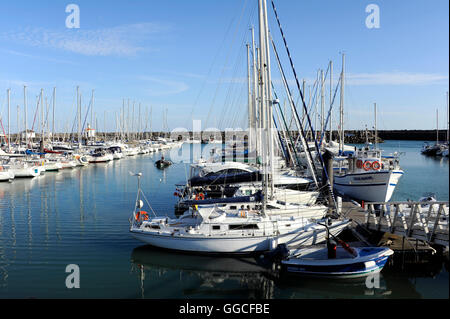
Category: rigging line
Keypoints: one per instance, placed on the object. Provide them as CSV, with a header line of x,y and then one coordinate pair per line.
x,y
87,113
232,87
303,101
226,62
282,145
210,69
237,67
301,128
288,132
329,113
35,113
238,98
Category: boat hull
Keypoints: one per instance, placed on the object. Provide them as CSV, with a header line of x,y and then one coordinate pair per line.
x,y
239,244
361,266
371,187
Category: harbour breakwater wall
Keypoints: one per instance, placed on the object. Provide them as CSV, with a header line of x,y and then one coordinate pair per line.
x,y
351,136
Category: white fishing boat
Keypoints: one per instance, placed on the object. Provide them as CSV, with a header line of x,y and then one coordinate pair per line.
x,y
368,176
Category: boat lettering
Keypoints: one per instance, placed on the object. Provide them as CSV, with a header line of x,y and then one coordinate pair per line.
x,y
362,178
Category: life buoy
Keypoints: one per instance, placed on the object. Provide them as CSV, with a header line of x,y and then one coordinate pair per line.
x,y
200,196
242,214
359,164
376,165
144,215
141,215
1,168
367,165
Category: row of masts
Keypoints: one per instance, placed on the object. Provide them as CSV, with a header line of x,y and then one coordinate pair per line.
x,y
127,127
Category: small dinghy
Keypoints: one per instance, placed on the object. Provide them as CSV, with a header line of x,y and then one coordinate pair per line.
x,y
163,163
336,262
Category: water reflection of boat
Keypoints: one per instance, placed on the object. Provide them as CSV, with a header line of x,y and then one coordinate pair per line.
x,y
212,276
306,287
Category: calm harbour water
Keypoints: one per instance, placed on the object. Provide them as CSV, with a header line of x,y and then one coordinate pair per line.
x,y
80,216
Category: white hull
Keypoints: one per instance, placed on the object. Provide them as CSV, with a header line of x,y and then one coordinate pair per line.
x,y
6,176
26,172
243,244
101,159
371,186
117,155
52,167
68,164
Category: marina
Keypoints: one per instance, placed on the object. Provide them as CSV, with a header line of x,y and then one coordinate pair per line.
x,y
295,193
82,215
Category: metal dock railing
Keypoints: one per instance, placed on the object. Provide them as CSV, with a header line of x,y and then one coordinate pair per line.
x,y
426,221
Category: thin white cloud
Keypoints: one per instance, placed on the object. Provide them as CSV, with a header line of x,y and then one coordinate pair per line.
x,y
158,87
395,78
362,79
125,40
22,54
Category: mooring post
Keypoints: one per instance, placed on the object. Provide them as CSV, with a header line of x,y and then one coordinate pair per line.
x,y
327,175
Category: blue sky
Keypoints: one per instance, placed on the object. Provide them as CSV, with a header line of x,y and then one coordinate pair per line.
x,y
189,57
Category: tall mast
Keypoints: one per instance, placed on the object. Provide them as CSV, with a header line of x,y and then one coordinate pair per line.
x,y
139,123
341,141
437,126
25,111
270,101
53,120
322,104
79,116
250,111
303,90
376,132
331,100
255,95
9,120
42,116
96,124
262,79
448,135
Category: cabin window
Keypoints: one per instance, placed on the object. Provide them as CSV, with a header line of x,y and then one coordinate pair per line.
x,y
243,226
233,207
155,227
216,227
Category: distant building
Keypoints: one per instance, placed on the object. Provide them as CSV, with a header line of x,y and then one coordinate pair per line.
x,y
90,132
28,134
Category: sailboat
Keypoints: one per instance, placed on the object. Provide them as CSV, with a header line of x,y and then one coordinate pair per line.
x,y
213,229
6,175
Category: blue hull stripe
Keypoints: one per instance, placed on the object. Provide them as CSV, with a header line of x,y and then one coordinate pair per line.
x,y
380,184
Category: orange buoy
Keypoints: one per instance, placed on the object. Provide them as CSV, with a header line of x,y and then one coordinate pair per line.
x,y
359,164
376,165
367,165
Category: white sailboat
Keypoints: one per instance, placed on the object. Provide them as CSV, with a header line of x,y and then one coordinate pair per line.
x,y
213,229
6,175
23,169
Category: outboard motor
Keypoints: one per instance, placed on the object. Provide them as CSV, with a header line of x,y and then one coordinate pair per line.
x,y
279,253
331,247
